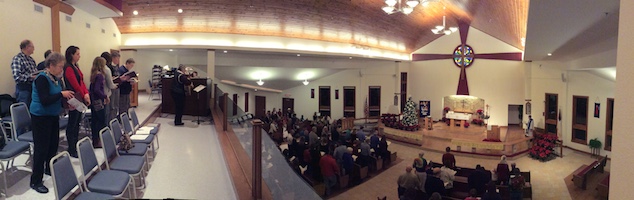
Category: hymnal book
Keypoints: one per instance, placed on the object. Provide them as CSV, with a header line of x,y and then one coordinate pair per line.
x,y
142,132
138,137
78,105
129,73
199,88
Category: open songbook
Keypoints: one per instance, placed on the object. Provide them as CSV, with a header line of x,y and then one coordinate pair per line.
x,y
129,74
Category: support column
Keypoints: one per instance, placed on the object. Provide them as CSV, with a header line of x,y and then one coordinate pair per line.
x,y
225,111
256,190
621,162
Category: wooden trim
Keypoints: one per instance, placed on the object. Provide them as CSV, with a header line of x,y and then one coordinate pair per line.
x,y
324,107
583,127
127,50
609,118
109,6
354,101
56,28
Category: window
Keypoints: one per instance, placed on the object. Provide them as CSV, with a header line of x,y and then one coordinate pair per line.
x,y
374,102
324,100
609,120
551,113
349,101
403,90
580,119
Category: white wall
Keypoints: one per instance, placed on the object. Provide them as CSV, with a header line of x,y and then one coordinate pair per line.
x,y
371,76
545,78
19,21
273,100
622,162
597,90
499,83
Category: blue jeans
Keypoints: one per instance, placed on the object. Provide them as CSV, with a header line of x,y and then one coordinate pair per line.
x,y
23,94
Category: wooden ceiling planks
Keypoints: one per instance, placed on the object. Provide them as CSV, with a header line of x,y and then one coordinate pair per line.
x,y
358,22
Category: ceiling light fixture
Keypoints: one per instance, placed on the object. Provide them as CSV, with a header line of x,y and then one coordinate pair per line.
x,y
260,82
394,6
443,29
225,51
135,12
305,82
180,10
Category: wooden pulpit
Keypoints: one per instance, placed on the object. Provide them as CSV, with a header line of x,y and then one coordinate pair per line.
x,y
494,133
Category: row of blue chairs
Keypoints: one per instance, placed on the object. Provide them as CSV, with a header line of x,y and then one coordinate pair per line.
x,y
21,141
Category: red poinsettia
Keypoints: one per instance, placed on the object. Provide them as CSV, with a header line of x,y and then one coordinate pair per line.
x,y
479,111
543,147
446,109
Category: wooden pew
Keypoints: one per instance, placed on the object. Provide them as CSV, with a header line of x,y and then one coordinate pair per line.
x,y
603,187
580,176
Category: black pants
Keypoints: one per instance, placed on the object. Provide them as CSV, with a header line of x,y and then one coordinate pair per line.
x,y
72,130
45,143
179,106
97,122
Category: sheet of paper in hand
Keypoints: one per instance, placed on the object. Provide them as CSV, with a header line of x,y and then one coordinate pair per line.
x,y
78,105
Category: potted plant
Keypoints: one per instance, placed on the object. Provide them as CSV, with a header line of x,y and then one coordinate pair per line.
x,y
594,143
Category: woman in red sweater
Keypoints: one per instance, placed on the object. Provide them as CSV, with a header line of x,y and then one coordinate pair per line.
x,y
74,80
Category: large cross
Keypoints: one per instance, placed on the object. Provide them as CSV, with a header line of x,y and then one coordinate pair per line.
x,y
463,56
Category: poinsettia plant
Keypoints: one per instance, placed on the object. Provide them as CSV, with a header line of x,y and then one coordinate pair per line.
x,y
446,109
543,148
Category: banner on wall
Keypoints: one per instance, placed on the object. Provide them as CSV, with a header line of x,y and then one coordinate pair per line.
x,y
424,108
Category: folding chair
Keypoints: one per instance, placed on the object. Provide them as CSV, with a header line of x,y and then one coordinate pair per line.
x,y
112,182
65,180
140,138
9,152
150,128
21,118
130,164
140,149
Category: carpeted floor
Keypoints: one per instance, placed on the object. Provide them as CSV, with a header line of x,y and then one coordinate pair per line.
x,y
591,190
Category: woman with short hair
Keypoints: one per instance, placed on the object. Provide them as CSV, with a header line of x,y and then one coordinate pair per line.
x,y
46,105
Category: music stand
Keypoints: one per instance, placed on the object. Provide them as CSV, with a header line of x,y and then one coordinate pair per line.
x,y
198,89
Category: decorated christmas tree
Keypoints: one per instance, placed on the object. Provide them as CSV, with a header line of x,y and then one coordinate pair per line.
x,y
410,118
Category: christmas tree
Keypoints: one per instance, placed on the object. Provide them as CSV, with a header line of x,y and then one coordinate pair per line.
x,y
410,118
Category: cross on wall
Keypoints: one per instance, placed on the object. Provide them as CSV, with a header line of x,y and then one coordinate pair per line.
x,y
464,56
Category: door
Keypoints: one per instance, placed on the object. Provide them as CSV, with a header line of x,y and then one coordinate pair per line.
x,y
235,104
260,106
288,104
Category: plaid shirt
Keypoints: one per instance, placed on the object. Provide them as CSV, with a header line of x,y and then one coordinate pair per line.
x,y
23,67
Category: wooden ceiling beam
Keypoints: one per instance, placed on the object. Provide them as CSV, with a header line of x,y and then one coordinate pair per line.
x,y
65,8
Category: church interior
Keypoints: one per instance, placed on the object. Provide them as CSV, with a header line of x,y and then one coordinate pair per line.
x,y
532,81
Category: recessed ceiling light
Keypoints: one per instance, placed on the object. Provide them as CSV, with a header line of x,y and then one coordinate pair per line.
x,y
171,49
550,54
299,55
135,12
180,10
350,58
225,51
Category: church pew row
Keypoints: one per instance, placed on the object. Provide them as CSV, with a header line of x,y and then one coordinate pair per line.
x,y
603,187
461,188
580,176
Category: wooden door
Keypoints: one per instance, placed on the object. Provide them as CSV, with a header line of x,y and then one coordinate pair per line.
x,y
235,104
260,106
288,103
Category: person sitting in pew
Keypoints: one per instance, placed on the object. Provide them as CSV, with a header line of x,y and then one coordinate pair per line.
x,y
473,195
434,184
448,159
347,162
406,181
364,154
516,185
502,171
491,193
478,179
